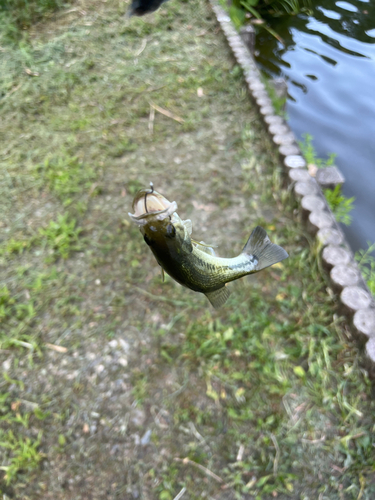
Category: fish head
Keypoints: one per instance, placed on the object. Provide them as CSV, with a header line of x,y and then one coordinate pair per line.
x,y
158,221
151,207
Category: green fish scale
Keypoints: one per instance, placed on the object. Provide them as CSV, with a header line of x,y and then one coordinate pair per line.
x,y
203,272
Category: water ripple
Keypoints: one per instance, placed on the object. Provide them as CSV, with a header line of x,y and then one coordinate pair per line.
x,y
328,61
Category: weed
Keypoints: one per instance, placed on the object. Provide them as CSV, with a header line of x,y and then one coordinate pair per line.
x,y
309,153
13,246
62,236
366,262
24,454
15,317
340,205
66,176
10,308
19,453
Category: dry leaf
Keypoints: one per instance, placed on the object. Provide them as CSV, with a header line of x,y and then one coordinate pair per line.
x,y
31,73
57,348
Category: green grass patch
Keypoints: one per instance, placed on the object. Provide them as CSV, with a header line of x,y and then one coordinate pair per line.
x,y
24,455
66,176
14,246
19,453
18,15
62,236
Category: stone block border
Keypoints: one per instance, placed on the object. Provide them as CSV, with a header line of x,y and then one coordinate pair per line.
x,y
356,300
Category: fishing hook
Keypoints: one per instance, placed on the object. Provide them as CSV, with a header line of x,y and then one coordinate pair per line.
x,y
146,193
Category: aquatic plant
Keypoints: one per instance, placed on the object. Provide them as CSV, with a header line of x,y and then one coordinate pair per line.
x,y
273,8
260,10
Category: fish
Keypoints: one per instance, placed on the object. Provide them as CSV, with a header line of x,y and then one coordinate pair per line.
x,y
142,7
194,264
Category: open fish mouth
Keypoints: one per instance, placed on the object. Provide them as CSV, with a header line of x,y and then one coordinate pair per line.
x,y
149,204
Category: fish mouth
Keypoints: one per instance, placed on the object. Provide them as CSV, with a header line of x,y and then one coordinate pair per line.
x,y
151,205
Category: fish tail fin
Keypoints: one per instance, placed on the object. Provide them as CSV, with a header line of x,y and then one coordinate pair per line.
x,y
260,246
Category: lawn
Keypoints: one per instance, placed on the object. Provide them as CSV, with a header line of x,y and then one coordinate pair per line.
x,y
115,384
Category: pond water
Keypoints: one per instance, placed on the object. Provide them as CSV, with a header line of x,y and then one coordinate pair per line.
x,y
328,61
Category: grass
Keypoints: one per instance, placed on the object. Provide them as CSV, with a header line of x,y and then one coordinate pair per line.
x,y
19,452
66,176
17,15
302,367
62,236
116,384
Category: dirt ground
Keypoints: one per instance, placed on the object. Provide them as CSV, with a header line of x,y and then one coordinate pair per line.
x,y
117,385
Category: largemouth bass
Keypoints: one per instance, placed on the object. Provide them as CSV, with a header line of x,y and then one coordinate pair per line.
x,y
192,264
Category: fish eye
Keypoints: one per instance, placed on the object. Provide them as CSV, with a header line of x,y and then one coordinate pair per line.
x,y
147,240
171,231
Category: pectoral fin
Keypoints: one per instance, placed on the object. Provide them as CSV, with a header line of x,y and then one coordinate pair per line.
x,y
189,226
201,245
218,297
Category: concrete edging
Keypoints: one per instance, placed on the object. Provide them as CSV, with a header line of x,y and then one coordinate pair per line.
x,y
356,300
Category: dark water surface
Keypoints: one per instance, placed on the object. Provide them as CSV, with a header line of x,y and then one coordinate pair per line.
x,y
329,63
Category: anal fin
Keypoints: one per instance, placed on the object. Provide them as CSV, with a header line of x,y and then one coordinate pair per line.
x,y
218,297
